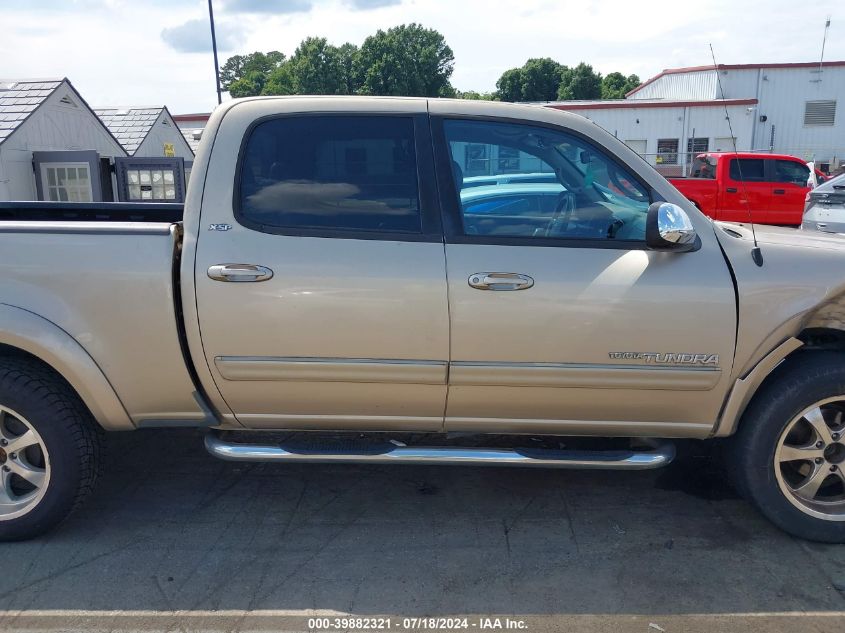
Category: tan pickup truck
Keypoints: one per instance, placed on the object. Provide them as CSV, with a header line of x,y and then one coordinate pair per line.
x,y
420,281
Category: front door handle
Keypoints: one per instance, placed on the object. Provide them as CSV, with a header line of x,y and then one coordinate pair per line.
x,y
731,189
779,192
239,272
500,281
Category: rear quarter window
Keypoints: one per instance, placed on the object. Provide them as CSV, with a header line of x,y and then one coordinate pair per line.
x,y
330,173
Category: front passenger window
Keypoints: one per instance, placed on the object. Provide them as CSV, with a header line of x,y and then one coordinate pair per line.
x,y
521,181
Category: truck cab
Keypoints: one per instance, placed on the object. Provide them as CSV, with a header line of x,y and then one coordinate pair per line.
x,y
744,186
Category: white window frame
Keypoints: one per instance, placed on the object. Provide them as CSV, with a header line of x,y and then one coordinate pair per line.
x,y
47,188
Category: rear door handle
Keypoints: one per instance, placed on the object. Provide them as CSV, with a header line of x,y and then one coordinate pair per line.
x,y
779,192
239,272
500,281
731,189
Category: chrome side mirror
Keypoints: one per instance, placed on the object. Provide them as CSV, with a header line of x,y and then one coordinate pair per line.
x,y
668,228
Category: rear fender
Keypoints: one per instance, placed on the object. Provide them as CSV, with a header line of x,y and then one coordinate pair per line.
x,y
46,341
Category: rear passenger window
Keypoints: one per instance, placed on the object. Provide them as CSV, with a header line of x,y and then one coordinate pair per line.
x,y
791,172
347,173
753,169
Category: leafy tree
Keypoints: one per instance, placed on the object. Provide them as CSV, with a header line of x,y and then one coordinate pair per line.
x,y
248,86
541,79
617,85
280,82
580,82
316,68
238,67
406,60
348,55
509,86
473,95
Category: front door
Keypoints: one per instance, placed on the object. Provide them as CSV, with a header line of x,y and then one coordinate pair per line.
x,y
562,321
746,193
323,304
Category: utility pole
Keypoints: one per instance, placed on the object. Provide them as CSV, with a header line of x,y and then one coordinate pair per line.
x,y
214,48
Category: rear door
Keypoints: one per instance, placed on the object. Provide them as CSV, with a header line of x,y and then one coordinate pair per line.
x,y
562,320
789,188
745,191
320,277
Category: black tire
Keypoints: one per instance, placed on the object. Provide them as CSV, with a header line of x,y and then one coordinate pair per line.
x,y
72,439
797,384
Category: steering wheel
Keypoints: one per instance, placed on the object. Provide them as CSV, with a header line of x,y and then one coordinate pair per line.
x,y
563,211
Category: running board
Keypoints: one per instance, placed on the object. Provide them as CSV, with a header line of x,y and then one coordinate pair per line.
x,y
389,453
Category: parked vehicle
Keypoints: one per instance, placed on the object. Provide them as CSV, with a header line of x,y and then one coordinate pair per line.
x,y
824,209
739,187
325,277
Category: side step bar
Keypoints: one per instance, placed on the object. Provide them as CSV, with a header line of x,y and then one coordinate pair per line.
x,y
388,453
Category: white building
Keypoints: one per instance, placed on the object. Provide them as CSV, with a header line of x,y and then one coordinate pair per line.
x,y
52,145
784,108
146,132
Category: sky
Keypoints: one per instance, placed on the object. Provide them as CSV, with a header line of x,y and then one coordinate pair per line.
x,y
158,52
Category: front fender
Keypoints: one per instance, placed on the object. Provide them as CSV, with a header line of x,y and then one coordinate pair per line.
x,y
46,341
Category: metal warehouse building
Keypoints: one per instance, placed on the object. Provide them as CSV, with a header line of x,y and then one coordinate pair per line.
x,y
784,108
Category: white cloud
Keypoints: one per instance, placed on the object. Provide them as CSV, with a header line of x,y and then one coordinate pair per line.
x,y
268,6
113,52
194,36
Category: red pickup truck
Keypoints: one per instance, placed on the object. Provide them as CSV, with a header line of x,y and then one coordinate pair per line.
x,y
727,185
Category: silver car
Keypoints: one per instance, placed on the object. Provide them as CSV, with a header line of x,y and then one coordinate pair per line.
x,y
824,209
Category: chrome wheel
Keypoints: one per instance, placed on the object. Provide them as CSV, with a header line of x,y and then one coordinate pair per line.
x,y
810,457
24,465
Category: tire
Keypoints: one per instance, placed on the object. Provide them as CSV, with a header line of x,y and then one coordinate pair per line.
x,y
64,458
774,458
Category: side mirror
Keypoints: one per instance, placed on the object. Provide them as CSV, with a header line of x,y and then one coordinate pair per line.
x,y
668,228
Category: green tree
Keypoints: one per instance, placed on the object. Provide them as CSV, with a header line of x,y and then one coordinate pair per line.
x,y
238,67
250,85
316,68
280,82
580,82
348,55
509,86
474,95
407,60
617,85
541,79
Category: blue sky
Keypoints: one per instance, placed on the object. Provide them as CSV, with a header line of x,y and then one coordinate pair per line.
x,y
150,52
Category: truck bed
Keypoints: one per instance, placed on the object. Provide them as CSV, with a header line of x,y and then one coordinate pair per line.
x,y
111,283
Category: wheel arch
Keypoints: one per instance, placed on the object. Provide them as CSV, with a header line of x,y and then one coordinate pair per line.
x,y
25,333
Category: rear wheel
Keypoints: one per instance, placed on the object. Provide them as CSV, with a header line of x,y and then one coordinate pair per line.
x,y
789,454
49,449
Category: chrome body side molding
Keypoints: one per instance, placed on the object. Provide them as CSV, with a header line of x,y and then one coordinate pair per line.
x,y
387,453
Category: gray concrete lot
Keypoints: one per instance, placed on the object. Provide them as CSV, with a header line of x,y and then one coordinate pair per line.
x,y
175,540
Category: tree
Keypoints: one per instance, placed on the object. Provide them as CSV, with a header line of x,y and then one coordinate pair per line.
x,y
617,85
407,60
280,82
250,85
579,83
316,68
238,67
541,79
348,55
474,95
509,86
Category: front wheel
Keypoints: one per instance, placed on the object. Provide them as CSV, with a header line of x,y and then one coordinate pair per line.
x,y
788,457
49,449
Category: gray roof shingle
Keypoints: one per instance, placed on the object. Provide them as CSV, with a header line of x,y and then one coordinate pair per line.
x,y
19,98
129,125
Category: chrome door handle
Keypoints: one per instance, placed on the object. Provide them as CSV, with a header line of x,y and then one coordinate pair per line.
x,y
239,272
500,281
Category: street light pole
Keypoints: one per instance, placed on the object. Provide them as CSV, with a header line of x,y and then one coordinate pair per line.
x,y
214,48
